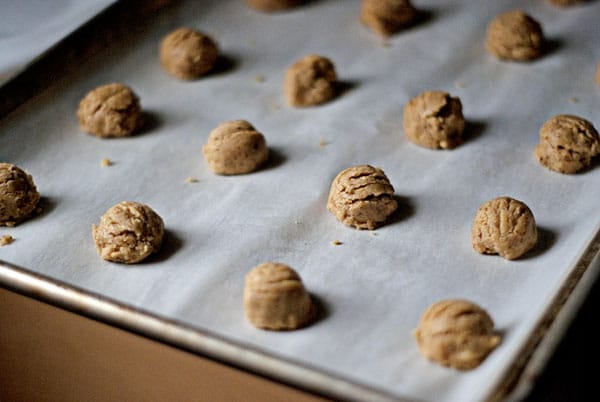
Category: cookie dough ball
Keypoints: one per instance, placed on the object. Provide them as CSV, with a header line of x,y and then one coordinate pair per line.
x,y
310,81
188,54
362,196
515,36
565,3
128,232
18,196
111,110
456,333
434,119
275,298
274,5
386,17
504,226
235,147
568,144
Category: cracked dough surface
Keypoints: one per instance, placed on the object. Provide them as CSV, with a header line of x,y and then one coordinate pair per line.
x,y
18,195
504,226
310,81
434,120
128,232
362,196
514,35
386,17
111,110
188,54
235,147
274,5
275,298
568,144
456,333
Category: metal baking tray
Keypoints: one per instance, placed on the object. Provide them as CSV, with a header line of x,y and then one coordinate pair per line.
x,y
373,287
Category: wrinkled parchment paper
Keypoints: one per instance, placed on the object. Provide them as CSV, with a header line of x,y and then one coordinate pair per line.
x,y
374,287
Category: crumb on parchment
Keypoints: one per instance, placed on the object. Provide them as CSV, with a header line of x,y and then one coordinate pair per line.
x,y
336,243
106,162
6,240
191,180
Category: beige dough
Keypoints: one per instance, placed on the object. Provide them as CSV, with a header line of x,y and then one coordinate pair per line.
x,y
128,232
362,196
565,3
568,144
188,54
274,5
235,147
275,298
18,195
504,226
456,333
434,119
111,110
310,81
386,17
515,36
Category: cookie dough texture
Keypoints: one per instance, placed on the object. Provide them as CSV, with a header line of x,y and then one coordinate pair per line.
x,y
434,119
188,54
235,147
504,226
456,333
362,196
18,195
568,144
128,233
386,17
310,81
275,298
515,36
111,110
274,5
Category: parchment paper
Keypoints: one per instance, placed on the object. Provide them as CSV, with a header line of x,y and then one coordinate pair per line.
x,y
374,287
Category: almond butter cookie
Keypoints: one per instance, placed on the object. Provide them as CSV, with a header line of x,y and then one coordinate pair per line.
x,y
386,17
516,36
18,195
310,81
188,54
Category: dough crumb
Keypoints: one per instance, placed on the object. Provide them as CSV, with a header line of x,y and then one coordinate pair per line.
x,y
235,147
106,162
362,196
373,233
515,36
598,74
19,197
573,99
504,226
273,5
188,54
386,17
566,3
297,222
310,81
275,298
458,84
336,242
456,333
260,78
191,180
6,240
323,143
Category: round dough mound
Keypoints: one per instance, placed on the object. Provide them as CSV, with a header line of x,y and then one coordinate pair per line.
x,y
515,36
128,232
273,5
456,333
386,17
434,119
111,110
504,226
18,195
310,81
362,196
568,144
235,147
188,54
275,298
565,3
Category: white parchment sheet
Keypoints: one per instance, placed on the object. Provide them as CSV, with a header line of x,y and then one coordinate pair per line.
x,y
374,287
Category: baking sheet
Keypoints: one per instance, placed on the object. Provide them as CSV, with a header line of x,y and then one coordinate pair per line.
x,y
374,286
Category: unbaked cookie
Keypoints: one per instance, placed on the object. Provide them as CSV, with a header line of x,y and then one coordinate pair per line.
x,y
515,36
18,195
111,110
273,5
310,81
188,54
128,233
568,144
456,333
386,17
504,226
434,119
235,147
275,298
362,196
